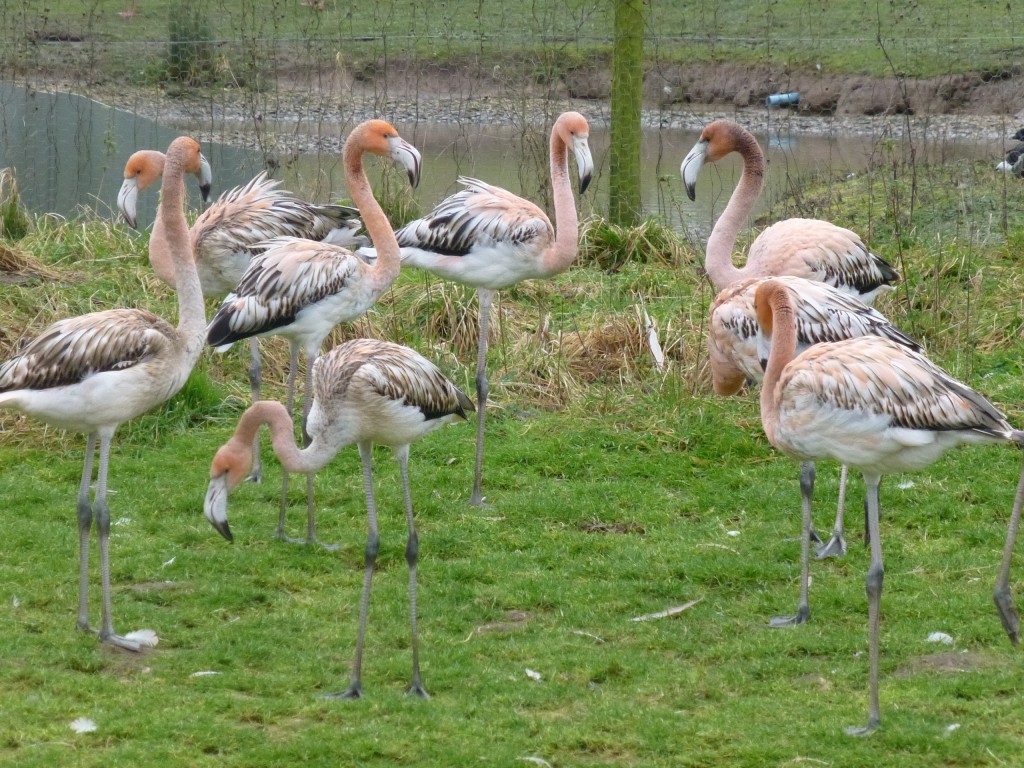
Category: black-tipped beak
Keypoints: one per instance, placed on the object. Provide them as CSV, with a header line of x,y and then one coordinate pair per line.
x,y
690,168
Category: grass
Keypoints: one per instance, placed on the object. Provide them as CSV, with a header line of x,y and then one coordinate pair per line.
x,y
540,41
614,491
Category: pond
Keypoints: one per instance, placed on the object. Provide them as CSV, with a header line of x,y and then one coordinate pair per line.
x,y
68,152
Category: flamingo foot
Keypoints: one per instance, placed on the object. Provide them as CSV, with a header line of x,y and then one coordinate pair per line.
x,y
1008,614
416,689
354,691
305,542
865,730
836,547
802,615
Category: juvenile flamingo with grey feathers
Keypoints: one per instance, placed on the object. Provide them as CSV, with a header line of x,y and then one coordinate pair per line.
x,y
93,372
366,392
300,289
877,407
488,238
226,235
822,313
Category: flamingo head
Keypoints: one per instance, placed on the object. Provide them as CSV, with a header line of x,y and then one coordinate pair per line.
x,y
146,166
574,131
142,169
717,140
381,138
230,466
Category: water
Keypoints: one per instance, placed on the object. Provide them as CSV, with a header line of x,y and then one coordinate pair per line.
x,y
68,153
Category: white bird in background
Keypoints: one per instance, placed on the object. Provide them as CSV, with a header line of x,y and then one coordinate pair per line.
x,y
811,248
1013,162
823,313
366,392
229,232
877,407
487,238
91,373
300,289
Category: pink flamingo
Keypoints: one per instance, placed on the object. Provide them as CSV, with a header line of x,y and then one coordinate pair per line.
x,y
366,392
877,407
93,372
810,248
485,237
300,289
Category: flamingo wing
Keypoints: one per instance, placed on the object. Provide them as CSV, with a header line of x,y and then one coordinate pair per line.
x,y
479,215
71,350
291,274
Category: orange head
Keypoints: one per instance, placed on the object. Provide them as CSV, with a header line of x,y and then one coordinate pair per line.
x,y
574,132
381,138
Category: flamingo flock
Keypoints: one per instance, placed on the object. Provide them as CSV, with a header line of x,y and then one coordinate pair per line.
x,y
838,381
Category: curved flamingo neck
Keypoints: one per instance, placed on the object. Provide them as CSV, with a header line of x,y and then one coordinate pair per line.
x,y
159,255
175,240
567,225
376,222
282,433
718,256
781,325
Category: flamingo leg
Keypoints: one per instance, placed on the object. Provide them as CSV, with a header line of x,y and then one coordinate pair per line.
x,y
102,511
412,549
355,688
84,526
873,583
307,405
255,377
803,611
484,297
1004,600
836,546
292,367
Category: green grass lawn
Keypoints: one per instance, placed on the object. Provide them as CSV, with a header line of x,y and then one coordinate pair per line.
x,y
845,37
614,492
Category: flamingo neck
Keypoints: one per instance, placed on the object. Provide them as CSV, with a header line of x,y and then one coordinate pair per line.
x,y
159,255
718,256
170,219
375,221
783,350
567,226
282,433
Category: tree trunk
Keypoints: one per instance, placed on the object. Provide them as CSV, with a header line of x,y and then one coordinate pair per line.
x,y
624,204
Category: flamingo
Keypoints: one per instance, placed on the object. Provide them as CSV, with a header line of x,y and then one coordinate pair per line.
x,y
1014,160
877,407
823,313
226,235
810,248
300,288
366,392
487,238
93,372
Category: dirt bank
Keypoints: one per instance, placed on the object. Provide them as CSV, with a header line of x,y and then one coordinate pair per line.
x,y
985,106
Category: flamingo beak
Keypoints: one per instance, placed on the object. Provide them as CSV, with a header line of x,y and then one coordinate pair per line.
x,y
406,154
584,161
205,178
126,200
215,507
691,165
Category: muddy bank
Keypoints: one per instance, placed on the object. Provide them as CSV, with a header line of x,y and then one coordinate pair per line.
x,y
984,106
